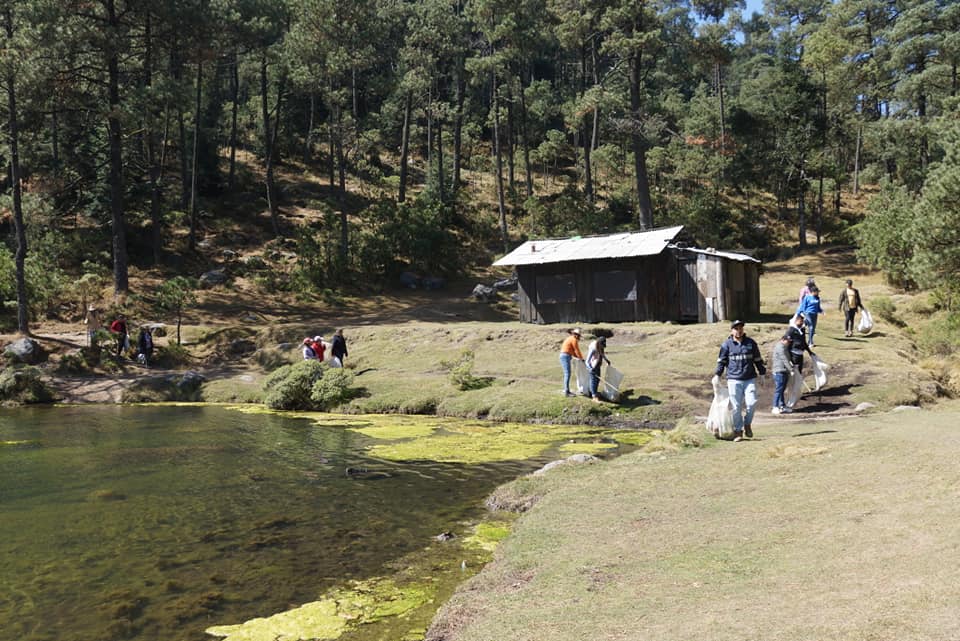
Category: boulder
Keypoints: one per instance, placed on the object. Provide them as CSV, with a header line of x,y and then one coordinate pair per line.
x,y
506,285
576,459
484,293
241,347
255,262
24,350
190,382
214,277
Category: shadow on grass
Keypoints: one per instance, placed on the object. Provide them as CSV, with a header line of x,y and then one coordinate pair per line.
x,y
627,400
814,433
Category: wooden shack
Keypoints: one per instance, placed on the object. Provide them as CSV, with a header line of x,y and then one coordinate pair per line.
x,y
635,276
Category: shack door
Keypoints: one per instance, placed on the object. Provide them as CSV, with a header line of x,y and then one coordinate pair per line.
x,y
689,294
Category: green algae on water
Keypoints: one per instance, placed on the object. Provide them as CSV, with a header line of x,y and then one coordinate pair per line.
x,y
487,535
577,447
341,610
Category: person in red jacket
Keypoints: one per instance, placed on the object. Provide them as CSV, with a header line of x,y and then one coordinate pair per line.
x,y
318,347
119,329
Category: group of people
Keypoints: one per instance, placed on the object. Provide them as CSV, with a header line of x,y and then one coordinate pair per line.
x,y
118,328
315,349
740,355
596,356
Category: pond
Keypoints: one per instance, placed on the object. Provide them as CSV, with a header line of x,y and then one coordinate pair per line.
x,y
155,523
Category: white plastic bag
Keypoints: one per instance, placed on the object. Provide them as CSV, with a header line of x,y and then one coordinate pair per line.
x,y
720,418
794,387
819,372
866,322
583,376
610,384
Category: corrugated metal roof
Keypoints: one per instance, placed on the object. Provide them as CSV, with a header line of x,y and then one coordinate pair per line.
x,y
626,245
715,252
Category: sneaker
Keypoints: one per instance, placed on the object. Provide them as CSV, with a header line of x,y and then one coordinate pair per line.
x,y
786,410
737,437
775,410
568,393
747,431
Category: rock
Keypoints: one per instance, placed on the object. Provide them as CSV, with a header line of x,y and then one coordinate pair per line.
x,y
484,293
229,254
905,408
241,347
410,280
24,350
214,277
190,381
445,536
434,282
505,284
255,262
862,407
576,459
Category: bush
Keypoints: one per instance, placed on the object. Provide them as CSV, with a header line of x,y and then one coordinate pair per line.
x,y
291,386
332,389
461,372
883,307
940,336
23,385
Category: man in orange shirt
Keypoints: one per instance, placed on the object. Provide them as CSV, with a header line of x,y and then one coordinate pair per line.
x,y
568,351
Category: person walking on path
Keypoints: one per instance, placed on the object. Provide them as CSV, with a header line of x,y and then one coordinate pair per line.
x,y
798,342
569,351
145,346
740,356
811,309
849,304
596,354
781,366
805,290
338,348
119,329
93,323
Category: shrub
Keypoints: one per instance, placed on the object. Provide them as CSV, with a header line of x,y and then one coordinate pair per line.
x,y
332,389
291,386
171,356
23,385
461,371
883,307
940,336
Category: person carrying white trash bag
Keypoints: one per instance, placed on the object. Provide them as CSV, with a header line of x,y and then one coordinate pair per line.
x,y
740,357
720,418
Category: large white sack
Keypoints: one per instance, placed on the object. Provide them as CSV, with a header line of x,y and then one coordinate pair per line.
x,y
610,384
794,387
866,322
819,372
720,418
583,376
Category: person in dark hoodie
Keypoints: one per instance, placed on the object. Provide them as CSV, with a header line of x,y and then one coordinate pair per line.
x,y
798,341
740,357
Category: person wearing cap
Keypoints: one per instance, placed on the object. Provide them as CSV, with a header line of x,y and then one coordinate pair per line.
x,y
308,353
798,341
596,354
569,351
318,347
811,310
93,323
781,366
849,304
740,357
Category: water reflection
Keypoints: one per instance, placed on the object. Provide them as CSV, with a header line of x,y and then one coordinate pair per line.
x,y
153,523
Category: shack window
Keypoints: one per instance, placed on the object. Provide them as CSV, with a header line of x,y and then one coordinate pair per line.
x,y
615,285
556,289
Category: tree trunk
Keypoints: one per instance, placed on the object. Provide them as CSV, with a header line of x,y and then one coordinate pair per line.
x,y
645,205
458,127
509,135
405,146
195,161
802,208
856,161
55,139
268,147
525,143
499,167
440,189
235,106
585,139
120,280
13,124
341,162
308,139
154,166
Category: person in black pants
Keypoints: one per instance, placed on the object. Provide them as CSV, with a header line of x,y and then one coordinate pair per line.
x,y
849,304
338,348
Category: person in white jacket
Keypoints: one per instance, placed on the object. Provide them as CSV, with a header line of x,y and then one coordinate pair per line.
x,y
596,354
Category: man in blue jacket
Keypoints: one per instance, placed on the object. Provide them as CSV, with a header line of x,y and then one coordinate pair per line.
x,y
740,356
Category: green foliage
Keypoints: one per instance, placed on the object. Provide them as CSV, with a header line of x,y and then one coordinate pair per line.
x,y
175,294
291,386
171,356
883,307
941,336
883,235
23,384
461,372
568,213
332,389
